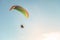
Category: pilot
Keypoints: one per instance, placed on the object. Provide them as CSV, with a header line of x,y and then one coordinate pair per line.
x,y
22,26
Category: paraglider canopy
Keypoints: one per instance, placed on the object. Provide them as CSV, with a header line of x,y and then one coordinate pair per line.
x,y
20,9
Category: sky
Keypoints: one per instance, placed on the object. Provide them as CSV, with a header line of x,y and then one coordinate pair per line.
x,y
43,21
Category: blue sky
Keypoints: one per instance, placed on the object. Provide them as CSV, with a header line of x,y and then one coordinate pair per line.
x,y
44,17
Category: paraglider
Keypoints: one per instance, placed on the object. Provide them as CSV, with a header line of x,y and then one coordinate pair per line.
x,y
22,10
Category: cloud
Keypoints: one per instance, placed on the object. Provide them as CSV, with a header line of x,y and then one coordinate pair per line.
x,y
51,36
